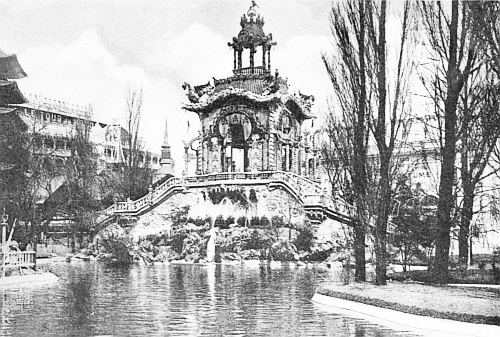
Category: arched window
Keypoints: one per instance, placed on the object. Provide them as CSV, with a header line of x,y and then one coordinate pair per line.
x,y
285,124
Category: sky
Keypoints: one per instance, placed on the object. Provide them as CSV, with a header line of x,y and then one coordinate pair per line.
x,y
91,51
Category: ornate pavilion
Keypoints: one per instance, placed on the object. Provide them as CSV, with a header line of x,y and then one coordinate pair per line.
x,y
250,121
252,142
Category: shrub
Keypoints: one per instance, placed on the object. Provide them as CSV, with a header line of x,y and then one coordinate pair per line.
x,y
119,247
278,221
254,222
496,254
253,196
198,222
179,216
220,222
264,222
304,239
177,241
241,221
255,241
230,220
496,273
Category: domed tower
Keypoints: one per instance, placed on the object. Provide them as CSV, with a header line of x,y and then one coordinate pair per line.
x,y
252,38
250,121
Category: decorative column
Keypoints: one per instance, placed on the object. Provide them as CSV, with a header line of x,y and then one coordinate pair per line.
x,y
269,58
239,58
198,160
299,159
278,152
264,56
259,161
271,143
235,57
306,160
215,156
254,152
300,146
5,217
265,153
186,161
228,154
205,165
252,52
294,160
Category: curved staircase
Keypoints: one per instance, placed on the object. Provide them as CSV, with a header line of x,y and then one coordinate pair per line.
x,y
317,204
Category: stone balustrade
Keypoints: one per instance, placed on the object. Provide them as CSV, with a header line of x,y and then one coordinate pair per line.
x,y
308,191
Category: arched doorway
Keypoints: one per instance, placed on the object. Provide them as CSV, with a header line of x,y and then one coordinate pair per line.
x,y
239,150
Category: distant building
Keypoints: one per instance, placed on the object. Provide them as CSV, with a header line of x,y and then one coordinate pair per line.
x,y
52,125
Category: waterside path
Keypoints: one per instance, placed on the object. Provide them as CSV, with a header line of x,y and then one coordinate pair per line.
x,y
430,310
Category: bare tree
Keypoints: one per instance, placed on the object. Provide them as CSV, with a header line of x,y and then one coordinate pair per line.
x,y
384,104
478,135
349,131
456,54
389,120
137,173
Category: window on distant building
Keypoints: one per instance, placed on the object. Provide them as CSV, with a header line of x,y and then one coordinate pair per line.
x,y
37,142
60,145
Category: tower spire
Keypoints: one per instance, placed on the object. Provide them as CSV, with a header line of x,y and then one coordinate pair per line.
x,y
165,137
166,161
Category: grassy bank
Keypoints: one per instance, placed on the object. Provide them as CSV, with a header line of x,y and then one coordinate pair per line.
x,y
471,276
480,306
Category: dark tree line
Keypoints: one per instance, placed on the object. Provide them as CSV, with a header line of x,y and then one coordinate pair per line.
x,y
368,121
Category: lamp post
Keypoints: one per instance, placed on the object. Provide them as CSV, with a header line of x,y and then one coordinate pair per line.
x,y
5,217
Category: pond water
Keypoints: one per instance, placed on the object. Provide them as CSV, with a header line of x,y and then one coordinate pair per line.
x,y
94,299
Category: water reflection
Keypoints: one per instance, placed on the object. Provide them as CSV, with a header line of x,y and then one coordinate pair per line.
x,y
93,299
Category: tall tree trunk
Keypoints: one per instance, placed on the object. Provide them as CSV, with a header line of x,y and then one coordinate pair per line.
x,y
464,233
381,225
385,157
359,247
446,200
360,177
465,173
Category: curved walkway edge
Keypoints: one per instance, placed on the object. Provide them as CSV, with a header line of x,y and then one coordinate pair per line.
x,y
400,321
28,279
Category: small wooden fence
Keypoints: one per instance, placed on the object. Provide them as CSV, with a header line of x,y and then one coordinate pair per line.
x,y
17,259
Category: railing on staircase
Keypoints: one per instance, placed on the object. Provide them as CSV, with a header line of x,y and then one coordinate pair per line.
x,y
308,191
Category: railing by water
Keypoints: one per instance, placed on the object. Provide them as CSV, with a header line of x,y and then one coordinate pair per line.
x,y
306,190
17,259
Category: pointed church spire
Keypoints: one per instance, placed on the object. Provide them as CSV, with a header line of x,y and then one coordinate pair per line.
x,y
165,137
166,161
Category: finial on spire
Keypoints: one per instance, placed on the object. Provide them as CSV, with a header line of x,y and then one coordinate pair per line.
x,y
251,11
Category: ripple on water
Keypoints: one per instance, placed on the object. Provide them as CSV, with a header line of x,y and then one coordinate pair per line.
x,y
92,299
